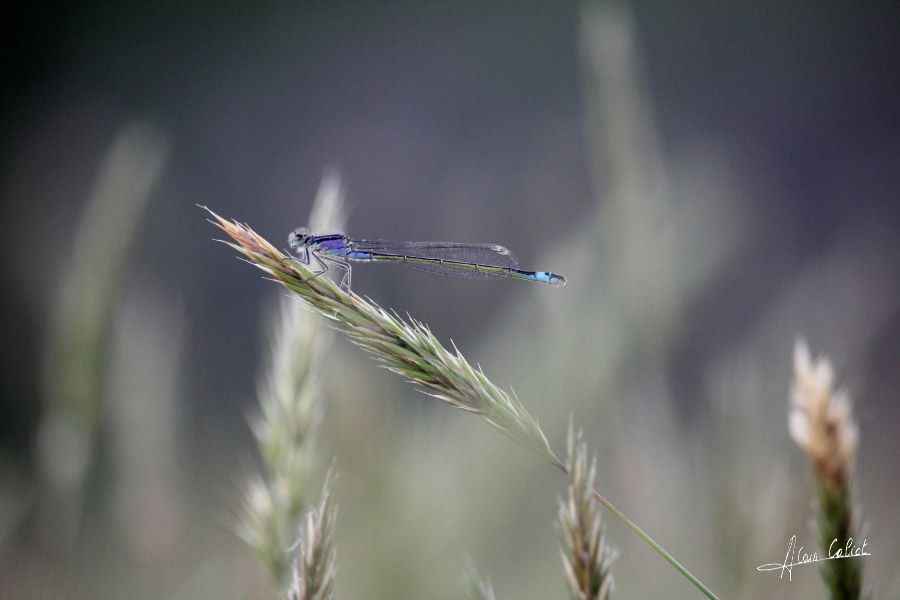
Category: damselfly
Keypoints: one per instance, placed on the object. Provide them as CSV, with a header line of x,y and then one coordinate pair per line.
x,y
465,261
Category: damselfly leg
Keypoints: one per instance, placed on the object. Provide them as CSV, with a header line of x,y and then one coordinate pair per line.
x,y
345,278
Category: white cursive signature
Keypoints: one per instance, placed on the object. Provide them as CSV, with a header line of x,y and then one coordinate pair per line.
x,y
796,556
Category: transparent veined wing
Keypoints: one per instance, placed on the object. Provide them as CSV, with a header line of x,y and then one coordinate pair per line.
x,y
466,255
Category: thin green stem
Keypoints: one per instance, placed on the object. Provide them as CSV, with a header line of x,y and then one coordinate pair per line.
x,y
644,536
653,544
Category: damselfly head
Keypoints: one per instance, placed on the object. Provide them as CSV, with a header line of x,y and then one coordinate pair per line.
x,y
298,238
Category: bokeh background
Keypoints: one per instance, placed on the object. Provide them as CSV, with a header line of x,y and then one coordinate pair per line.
x,y
715,179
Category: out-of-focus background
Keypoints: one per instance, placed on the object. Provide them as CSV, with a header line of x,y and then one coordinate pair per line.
x,y
714,179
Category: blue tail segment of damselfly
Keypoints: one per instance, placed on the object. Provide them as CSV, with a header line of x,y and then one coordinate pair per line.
x,y
464,261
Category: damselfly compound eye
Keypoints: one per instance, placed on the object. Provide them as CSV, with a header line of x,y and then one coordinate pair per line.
x,y
298,237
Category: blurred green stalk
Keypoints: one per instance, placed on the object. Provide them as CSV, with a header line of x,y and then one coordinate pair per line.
x,y
74,387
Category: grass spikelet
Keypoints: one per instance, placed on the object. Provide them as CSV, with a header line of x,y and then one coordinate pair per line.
x,y
290,405
263,526
820,422
314,565
477,588
285,428
408,349
586,557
